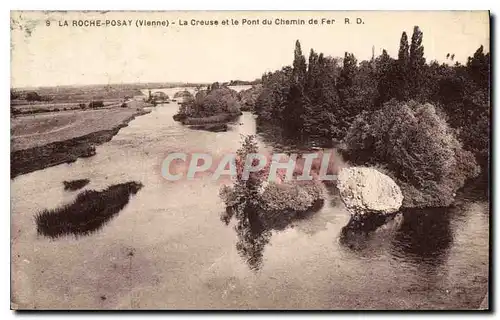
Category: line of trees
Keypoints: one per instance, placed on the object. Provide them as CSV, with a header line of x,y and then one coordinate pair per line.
x,y
322,96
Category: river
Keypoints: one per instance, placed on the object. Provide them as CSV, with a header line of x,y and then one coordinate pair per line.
x,y
168,249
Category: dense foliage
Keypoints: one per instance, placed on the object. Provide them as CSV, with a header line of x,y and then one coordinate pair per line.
x,y
216,100
418,149
320,98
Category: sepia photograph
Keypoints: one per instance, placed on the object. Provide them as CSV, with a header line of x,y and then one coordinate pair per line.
x,y
250,160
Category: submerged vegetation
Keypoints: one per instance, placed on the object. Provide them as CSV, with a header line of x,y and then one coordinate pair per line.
x,y
74,185
87,213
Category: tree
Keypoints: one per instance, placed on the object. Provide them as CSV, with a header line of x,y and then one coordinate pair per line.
x,y
299,65
416,63
478,67
293,116
345,80
403,54
417,148
402,68
96,104
33,96
13,94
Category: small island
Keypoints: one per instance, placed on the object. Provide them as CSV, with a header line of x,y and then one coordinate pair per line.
x,y
211,109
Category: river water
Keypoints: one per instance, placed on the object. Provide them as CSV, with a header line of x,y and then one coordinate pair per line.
x,y
168,249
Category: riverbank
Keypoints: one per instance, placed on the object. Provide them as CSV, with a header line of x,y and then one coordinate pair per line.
x,y
215,123
43,141
163,247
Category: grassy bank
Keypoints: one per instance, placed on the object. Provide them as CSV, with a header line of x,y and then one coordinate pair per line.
x,y
87,213
68,150
219,118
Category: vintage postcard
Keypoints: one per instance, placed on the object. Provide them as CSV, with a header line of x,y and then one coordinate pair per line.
x,y
253,160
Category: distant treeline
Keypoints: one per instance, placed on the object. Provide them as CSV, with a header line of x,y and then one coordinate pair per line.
x,y
242,82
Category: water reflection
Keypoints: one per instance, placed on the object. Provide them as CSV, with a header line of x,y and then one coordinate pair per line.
x,y
254,228
252,238
285,141
424,236
421,236
357,235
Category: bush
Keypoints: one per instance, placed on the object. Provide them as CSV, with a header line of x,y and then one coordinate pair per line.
x,y
87,213
74,185
418,149
96,104
33,96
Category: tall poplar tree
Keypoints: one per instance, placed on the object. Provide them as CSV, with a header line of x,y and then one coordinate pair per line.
x,y
299,65
416,63
402,68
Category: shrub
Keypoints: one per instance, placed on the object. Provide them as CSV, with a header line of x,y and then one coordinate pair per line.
x,y
96,104
33,96
418,149
87,213
74,185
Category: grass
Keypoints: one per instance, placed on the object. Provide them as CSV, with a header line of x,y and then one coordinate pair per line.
x,y
219,118
37,130
213,127
87,213
63,141
74,185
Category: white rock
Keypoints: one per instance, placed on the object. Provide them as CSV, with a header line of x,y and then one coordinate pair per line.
x,y
364,190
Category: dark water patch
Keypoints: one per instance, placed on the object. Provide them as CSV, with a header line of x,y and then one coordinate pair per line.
x,y
87,213
288,141
74,185
477,189
356,234
425,235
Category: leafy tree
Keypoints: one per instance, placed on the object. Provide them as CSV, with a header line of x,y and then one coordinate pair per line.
x,y
417,148
299,65
416,62
33,96
96,104
478,67
386,82
13,94
402,68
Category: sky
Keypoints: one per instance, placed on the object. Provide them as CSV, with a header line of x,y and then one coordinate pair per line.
x,y
43,53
